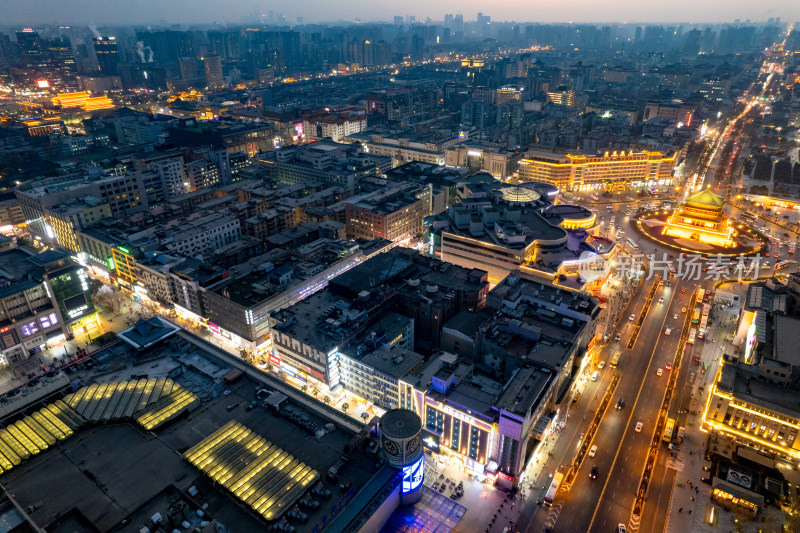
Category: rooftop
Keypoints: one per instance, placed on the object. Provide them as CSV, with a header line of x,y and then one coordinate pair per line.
x,y
739,379
114,473
525,390
396,362
400,423
705,198
146,333
787,339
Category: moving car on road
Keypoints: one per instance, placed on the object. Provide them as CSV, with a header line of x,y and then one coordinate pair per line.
x,y
638,428
593,451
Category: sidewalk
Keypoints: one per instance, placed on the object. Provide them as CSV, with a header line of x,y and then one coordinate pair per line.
x,y
691,508
691,499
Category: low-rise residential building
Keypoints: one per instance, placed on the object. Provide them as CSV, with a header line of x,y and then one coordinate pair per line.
x,y
336,128
68,218
200,233
395,215
324,161
125,193
498,162
407,147
309,335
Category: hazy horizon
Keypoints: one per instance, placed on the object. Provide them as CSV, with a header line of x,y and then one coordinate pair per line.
x,y
139,12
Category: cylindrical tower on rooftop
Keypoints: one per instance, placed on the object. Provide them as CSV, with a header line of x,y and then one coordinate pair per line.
x,y
401,440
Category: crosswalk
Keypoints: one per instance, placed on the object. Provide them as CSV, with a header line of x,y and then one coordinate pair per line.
x,y
552,516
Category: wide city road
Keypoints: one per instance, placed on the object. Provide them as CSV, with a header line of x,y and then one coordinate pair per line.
x,y
607,500
623,454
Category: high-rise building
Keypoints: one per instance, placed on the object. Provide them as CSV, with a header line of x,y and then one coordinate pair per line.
x,y
107,52
213,65
60,61
30,47
187,68
6,52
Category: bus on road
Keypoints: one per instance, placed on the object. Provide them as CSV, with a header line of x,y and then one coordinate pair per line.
x,y
615,360
669,427
633,244
551,492
692,336
784,264
696,316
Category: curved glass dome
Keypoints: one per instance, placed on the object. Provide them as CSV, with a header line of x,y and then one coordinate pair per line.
x,y
519,195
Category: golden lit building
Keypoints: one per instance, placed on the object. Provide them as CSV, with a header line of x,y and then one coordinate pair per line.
x,y
44,126
700,218
509,93
68,100
97,103
82,100
616,171
566,97
755,414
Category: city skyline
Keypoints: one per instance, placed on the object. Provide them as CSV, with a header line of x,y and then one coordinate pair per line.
x,y
513,267
317,11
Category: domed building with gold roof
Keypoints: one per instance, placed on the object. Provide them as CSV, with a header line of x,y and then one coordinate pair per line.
x,y
700,218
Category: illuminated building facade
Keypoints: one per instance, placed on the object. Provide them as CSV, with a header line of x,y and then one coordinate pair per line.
x,y
213,68
67,218
107,52
751,401
394,216
497,161
44,126
82,100
700,218
565,97
752,412
497,229
509,93
405,147
401,441
616,171
31,314
70,285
